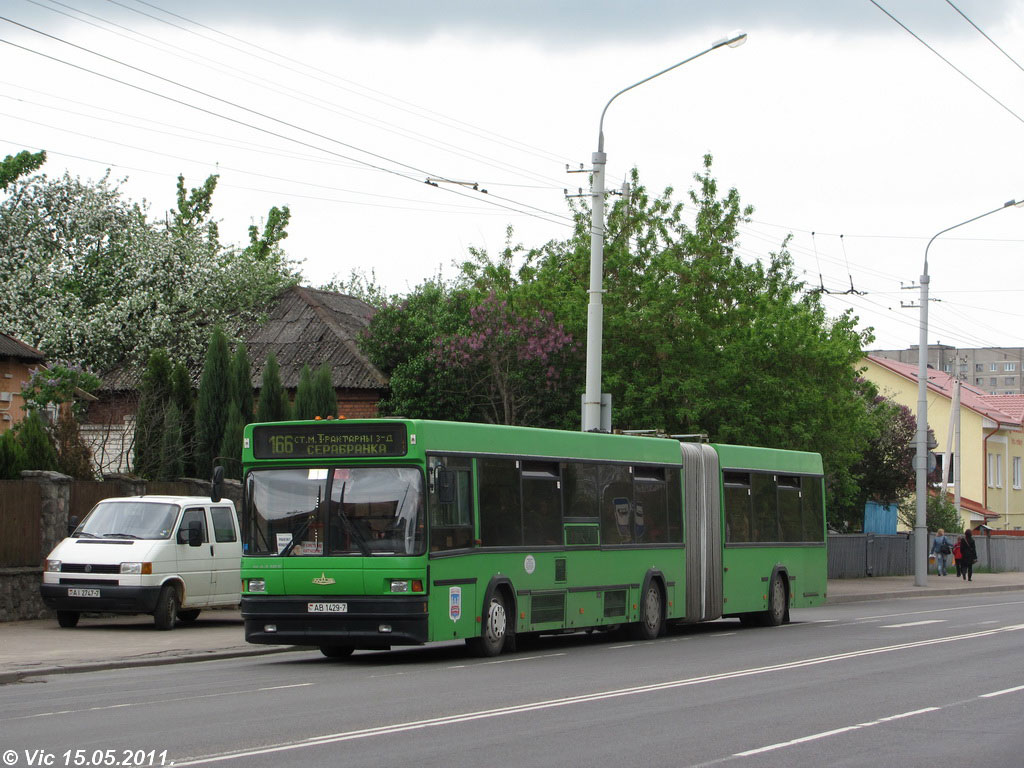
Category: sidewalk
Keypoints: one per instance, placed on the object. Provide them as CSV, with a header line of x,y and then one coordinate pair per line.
x,y
31,648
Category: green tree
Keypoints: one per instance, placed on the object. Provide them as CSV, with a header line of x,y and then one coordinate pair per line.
x,y
12,456
154,397
305,405
940,512
241,383
183,397
273,403
214,402
13,167
74,458
172,445
35,441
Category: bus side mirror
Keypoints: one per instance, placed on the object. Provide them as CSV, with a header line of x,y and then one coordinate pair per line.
x,y
215,483
445,486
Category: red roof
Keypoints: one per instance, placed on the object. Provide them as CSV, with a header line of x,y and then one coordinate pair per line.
x,y
1005,409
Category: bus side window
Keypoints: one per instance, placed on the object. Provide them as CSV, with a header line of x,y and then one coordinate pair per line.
x,y
451,524
542,504
616,484
789,507
766,507
812,511
737,506
501,514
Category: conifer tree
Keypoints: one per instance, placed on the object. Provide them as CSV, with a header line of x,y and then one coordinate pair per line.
x,y
12,456
154,395
214,401
241,383
273,404
231,446
325,399
172,447
35,440
305,406
184,399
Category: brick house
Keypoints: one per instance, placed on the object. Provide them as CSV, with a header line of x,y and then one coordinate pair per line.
x,y
302,326
17,360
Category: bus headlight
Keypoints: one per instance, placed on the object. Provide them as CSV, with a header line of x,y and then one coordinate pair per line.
x,y
137,568
257,585
406,585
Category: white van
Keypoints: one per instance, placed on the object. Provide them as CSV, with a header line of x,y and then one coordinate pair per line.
x,y
170,556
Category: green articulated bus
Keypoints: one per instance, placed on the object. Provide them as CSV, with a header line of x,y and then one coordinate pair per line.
x,y
382,532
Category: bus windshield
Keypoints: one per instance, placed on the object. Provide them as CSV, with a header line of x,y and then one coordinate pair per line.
x,y
315,511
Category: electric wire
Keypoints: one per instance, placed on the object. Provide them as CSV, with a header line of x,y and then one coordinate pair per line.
x,y
982,33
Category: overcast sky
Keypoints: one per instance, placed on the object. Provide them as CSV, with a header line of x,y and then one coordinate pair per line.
x,y
832,120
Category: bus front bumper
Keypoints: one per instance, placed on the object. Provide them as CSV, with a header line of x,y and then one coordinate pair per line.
x,y
362,622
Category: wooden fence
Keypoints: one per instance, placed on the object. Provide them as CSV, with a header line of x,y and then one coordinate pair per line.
x,y
21,508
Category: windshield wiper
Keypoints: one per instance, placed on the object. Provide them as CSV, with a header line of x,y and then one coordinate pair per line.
x,y
86,534
296,536
120,536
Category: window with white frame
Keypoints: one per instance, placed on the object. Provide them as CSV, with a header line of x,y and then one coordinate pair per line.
x,y
995,471
993,366
979,367
1010,367
1016,472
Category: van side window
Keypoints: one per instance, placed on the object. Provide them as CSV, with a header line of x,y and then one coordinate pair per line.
x,y
223,528
194,513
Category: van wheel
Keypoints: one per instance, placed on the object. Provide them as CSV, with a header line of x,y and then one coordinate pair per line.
x,y
336,651
68,619
166,612
189,616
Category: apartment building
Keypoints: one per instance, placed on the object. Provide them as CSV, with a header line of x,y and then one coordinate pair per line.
x,y
997,370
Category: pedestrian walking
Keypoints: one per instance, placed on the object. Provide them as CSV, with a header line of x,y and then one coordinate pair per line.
x,y
956,555
968,555
942,549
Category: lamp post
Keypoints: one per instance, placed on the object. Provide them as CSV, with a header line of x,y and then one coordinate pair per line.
x,y
591,416
921,460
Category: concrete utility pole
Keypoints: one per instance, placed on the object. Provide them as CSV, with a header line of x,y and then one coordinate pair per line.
x,y
591,416
921,461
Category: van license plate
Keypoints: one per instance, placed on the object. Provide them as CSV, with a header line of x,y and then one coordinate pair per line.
x,y
77,592
327,608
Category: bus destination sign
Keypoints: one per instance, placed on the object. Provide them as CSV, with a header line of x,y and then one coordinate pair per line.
x,y
329,440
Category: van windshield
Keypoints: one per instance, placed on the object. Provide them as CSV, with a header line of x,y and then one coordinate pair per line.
x,y
338,511
128,520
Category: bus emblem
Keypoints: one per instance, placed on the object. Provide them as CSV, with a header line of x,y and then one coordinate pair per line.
x,y
323,579
454,603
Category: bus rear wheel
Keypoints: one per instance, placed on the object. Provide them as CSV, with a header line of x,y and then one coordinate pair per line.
x,y
776,612
336,651
494,633
651,614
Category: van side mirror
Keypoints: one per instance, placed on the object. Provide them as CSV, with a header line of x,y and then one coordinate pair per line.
x,y
72,524
216,482
193,535
445,486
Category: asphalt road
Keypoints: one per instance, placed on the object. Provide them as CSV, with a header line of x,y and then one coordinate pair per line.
x,y
924,682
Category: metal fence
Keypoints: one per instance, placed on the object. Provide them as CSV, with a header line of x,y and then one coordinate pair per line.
x,y
856,555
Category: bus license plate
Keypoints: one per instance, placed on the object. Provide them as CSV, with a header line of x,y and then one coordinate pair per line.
x,y
327,608
78,592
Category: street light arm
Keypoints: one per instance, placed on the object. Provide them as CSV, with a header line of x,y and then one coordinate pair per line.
x,y
1007,204
735,39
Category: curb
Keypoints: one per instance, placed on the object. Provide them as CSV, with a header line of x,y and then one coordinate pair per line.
x,y
158,661
919,592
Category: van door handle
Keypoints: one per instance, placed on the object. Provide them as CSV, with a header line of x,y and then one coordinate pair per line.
x,y
211,550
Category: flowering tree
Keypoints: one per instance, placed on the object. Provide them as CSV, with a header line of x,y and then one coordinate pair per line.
x,y
90,280
511,363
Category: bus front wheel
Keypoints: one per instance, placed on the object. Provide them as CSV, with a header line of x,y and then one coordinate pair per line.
x,y
494,633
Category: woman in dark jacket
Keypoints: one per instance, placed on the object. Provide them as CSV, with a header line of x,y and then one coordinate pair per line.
x,y
968,555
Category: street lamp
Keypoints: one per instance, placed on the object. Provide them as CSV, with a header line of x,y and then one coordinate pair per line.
x,y
591,416
921,461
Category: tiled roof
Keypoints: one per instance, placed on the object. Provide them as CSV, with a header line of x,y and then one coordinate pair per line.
x,y
1012,405
303,326
12,347
972,397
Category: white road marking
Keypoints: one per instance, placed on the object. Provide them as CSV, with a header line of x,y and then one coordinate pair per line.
x,y
1002,692
913,624
834,732
535,706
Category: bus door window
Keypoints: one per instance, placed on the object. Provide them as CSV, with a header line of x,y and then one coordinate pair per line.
x,y
451,524
651,513
542,503
737,506
812,510
789,507
501,521
616,504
